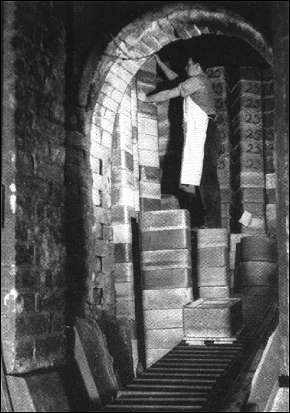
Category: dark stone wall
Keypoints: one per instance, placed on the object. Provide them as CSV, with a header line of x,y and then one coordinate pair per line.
x,y
36,337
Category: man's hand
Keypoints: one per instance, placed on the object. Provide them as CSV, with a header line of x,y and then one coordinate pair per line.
x,y
170,74
158,60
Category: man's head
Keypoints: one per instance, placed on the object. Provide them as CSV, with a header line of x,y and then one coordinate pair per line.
x,y
192,68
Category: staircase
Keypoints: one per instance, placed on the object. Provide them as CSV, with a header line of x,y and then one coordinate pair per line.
x,y
195,375
188,378
195,378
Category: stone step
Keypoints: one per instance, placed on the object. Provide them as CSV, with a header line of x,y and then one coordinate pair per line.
x,y
153,408
162,394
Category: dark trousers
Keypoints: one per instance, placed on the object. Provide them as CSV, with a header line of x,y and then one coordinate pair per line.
x,y
205,206
209,186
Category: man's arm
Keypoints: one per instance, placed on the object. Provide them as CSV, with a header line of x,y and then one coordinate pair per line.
x,y
163,95
190,86
170,74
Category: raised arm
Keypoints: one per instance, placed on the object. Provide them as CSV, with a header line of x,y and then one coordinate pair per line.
x,y
170,74
163,95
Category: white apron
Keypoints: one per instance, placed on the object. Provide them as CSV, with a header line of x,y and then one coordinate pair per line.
x,y
195,127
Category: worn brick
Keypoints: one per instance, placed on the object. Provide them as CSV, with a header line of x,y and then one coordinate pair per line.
x,y
50,348
122,214
58,322
123,196
123,253
52,301
150,204
24,352
122,233
125,308
123,272
32,324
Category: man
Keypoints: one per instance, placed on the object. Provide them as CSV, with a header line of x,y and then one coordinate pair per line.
x,y
200,149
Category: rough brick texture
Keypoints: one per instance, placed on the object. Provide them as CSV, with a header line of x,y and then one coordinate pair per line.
x,y
33,139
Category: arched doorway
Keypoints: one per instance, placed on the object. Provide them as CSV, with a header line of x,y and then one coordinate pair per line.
x,y
115,158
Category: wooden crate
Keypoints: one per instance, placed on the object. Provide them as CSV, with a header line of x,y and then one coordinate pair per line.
x,y
210,237
212,318
165,219
166,239
172,258
163,319
212,276
167,278
166,298
214,292
213,257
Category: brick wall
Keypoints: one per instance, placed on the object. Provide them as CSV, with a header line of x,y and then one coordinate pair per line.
x,y
150,191
33,142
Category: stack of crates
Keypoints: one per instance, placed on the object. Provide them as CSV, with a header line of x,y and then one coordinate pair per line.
x,y
247,140
147,138
270,176
218,77
268,119
212,263
166,277
271,213
169,201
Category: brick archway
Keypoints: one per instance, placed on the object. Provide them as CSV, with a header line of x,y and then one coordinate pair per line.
x,y
110,257
143,37
122,59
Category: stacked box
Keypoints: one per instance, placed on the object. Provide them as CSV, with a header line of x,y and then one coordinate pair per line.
x,y
258,265
247,154
268,119
212,319
124,191
258,275
212,263
219,81
147,127
166,278
271,214
169,202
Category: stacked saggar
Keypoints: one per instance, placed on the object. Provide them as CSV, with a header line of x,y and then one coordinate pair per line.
x,y
248,156
212,263
166,274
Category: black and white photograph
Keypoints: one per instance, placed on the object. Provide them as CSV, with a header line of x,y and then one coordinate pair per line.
x,y
145,206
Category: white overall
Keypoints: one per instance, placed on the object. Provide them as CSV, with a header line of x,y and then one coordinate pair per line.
x,y
195,127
